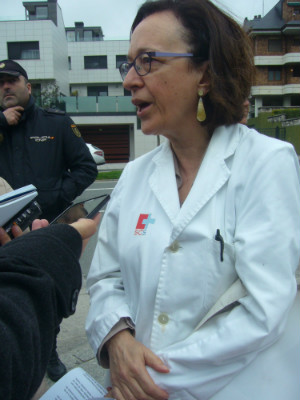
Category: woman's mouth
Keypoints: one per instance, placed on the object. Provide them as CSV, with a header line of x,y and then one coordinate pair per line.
x,y
142,107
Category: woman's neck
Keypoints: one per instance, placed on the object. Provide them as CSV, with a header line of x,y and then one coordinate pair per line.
x,y
189,153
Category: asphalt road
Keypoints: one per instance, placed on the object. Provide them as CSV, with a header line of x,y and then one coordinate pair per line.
x,y
96,189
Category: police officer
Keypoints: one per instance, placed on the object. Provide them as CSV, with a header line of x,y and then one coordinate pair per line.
x,y
43,148
40,147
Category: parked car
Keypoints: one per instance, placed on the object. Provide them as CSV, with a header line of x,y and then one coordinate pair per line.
x,y
97,154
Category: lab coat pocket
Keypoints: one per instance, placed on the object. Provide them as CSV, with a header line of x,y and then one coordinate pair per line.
x,y
219,268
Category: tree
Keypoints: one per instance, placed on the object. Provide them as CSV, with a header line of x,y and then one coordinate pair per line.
x,y
50,95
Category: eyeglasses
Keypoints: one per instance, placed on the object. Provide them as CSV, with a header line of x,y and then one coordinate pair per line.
x,y
142,62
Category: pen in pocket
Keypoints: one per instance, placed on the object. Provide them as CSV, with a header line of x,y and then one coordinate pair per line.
x,y
220,239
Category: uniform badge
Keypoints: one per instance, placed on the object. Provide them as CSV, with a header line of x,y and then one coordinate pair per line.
x,y
2,65
40,139
75,130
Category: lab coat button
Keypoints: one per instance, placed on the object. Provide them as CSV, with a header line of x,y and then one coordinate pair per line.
x,y
174,247
163,319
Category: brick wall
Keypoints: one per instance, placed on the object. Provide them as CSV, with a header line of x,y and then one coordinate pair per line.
x,y
288,12
293,44
261,45
290,44
262,77
287,78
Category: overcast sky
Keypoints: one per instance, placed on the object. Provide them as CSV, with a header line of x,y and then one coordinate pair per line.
x,y
115,16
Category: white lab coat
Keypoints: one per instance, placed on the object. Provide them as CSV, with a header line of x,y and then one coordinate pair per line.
x,y
163,269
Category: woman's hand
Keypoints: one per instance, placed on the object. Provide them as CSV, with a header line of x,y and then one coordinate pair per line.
x,y
128,359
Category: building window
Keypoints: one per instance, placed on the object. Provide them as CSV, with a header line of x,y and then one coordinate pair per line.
x,y
69,63
95,62
274,73
36,93
296,42
295,100
87,36
120,60
41,12
127,92
79,34
274,45
70,36
273,101
296,71
23,50
97,91
38,12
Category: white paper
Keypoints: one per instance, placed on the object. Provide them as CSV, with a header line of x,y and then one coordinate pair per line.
x,y
17,192
76,385
13,202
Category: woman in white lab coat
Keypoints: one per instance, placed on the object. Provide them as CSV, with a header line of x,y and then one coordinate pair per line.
x,y
193,283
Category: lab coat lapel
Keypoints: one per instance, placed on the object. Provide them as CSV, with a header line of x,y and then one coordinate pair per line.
x,y
163,182
213,173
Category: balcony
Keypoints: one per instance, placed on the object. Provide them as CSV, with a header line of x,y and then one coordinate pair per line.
x,y
275,90
105,105
288,58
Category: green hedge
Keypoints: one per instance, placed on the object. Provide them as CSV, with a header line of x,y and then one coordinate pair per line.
x,y
289,113
109,174
292,133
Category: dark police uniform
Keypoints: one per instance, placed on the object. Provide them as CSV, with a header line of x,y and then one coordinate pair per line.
x,y
46,149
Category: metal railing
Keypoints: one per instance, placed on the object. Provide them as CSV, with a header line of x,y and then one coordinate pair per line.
x,y
278,133
97,104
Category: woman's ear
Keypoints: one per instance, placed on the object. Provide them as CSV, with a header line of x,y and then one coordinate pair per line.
x,y
204,81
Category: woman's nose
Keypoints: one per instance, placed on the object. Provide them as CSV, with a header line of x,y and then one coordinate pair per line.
x,y
132,79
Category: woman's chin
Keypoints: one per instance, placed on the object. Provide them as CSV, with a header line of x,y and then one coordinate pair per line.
x,y
148,129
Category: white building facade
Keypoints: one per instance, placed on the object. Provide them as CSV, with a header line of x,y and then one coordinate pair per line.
x,y
84,69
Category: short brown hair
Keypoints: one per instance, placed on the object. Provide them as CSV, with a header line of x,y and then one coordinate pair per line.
x,y
216,37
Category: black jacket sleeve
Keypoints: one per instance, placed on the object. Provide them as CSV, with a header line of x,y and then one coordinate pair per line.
x,y
82,169
40,279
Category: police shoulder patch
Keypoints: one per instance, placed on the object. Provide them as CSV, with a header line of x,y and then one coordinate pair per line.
x,y
75,130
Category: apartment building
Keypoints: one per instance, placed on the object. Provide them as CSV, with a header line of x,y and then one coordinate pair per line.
x,y
276,41
84,67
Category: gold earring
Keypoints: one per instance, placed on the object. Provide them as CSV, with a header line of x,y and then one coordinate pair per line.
x,y
201,115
